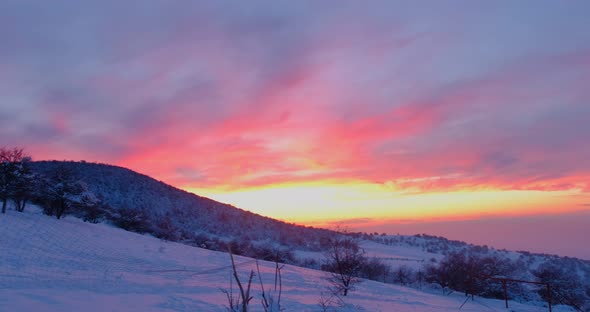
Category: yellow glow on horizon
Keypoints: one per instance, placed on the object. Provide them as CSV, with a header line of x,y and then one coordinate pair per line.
x,y
322,202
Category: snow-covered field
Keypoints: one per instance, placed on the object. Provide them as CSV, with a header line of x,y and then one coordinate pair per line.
x,y
68,265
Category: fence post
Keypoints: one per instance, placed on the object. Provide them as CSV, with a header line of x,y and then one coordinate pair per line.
x,y
505,292
549,296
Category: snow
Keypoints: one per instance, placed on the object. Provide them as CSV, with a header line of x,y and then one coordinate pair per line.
x,y
68,265
400,255
411,257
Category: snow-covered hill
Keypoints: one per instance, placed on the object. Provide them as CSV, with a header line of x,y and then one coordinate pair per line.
x,y
68,265
142,204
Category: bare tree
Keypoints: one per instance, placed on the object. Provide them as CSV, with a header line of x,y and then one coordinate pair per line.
x,y
344,259
24,186
14,170
403,275
375,269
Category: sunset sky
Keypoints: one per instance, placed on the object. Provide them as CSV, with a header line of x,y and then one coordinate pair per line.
x,y
467,119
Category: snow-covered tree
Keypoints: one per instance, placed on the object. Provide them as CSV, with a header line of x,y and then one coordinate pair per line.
x,y
62,192
566,286
470,273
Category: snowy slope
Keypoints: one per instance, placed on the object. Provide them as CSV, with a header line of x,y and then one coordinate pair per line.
x,y
67,265
174,214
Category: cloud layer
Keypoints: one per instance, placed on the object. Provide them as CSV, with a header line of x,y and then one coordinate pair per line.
x,y
232,95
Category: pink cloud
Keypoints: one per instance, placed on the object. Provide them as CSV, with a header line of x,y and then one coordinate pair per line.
x,y
254,100
275,140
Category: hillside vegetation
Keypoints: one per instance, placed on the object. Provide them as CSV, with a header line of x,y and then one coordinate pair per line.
x,y
100,193
139,203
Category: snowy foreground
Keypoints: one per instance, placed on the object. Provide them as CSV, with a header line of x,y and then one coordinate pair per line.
x,y
68,265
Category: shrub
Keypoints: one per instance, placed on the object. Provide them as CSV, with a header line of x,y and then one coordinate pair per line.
x,y
131,220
